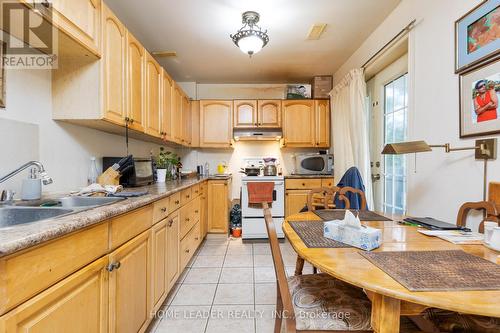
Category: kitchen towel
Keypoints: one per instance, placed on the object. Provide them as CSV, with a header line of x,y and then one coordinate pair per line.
x,y
259,192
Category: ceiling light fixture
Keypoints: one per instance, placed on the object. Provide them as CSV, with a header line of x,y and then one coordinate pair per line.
x,y
250,38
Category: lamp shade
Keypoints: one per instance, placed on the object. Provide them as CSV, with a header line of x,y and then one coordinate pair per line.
x,y
406,148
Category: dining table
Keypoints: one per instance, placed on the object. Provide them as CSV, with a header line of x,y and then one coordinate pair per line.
x,y
391,300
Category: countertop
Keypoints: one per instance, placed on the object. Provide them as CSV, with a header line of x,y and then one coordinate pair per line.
x,y
307,176
20,237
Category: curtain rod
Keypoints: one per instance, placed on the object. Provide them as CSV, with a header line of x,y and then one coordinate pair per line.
x,y
401,33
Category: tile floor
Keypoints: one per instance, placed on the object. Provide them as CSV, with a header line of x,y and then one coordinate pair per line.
x,y
229,286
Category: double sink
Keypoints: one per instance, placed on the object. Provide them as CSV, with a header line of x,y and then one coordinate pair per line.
x,y
26,213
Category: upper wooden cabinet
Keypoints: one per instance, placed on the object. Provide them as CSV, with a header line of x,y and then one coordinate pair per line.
x,y
245,113
186,121
298,123
166,123
177,114
154,79
322,123
136,58
216,126
114,68
269,113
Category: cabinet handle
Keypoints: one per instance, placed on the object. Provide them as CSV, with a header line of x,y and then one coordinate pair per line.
x,y
164,209
176,202
113,266
187,219
196,238
196,211
303,184
170,223
187,251
131,120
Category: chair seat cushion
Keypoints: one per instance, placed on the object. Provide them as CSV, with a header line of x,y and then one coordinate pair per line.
x,y
323,303
454,322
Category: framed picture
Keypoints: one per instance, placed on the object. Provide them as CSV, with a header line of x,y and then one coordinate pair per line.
x,y
2,74
479,97
298,91
477,36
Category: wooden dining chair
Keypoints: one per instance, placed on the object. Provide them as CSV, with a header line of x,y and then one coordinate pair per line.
x,y
346,189
315,302
322,198
489,208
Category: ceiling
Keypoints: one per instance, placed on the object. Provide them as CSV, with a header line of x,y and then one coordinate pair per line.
x,y
198,30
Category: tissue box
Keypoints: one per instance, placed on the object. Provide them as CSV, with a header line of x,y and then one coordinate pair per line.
x,y
363,237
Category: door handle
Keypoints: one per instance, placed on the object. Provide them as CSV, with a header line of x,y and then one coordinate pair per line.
x,y
375,177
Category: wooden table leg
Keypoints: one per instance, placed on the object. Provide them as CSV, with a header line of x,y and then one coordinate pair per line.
x,y
386,313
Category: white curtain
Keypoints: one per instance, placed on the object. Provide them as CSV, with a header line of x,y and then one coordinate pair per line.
x,y
350,129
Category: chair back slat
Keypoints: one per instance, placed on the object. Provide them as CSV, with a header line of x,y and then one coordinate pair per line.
x,y
486,206
346,189
322,197
281,280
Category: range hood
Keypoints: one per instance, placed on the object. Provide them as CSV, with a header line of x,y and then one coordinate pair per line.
x,y
257,134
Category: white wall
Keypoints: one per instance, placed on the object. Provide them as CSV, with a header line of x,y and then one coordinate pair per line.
x,y
64,149
442,181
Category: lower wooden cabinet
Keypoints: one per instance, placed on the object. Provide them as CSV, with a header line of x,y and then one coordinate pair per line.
x,y
159,261
219,202
77,304
204,210
295,200
297,190
173,245
130,285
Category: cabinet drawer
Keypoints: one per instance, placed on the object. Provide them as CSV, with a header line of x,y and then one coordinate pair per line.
x,y
196,209
327,182
186,196
302,184
189,244
187,219
160,209
126,227
174,202
195,190
24,275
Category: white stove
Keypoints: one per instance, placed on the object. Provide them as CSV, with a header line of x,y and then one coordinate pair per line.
x,y
253,224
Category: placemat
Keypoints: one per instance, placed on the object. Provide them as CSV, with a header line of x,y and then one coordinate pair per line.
x,y
449,270
338,214
311,233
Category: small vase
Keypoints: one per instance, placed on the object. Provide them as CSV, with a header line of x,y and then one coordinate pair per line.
x,y
161,174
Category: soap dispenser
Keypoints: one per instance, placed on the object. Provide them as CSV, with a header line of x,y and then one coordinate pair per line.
x,y
32,187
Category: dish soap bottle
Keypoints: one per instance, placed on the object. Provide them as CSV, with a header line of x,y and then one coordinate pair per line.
x,y
92,177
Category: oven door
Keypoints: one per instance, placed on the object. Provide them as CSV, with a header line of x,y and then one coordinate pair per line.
x,y
277,206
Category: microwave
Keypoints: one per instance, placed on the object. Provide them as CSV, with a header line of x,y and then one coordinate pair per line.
x,y
313,164
139,172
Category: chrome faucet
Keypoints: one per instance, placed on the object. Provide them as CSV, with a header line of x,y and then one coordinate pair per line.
x,y
8,195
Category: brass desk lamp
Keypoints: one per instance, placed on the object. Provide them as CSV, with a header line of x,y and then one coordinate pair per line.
x,y
485,150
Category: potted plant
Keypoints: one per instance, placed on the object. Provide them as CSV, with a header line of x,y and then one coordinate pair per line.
x,y
162,165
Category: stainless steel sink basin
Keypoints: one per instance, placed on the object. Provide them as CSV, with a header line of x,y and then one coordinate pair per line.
x,y
11,216
75,202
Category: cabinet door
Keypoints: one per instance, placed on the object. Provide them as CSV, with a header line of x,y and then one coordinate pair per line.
x,y
177,114
218,207
136,55
80,19
186,121
77,304
173,245
245,113
269,113
204,210
130,285
298,123
114,68
216,127
295,200
167,108
322,108
154,78
159,262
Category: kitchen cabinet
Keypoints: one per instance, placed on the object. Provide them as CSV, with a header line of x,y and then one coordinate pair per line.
x,y
204,210
245,113
136,58
297,191
186,121
159,262
322,123
269,113
173,246
130,285
114,71
79,304
298,123
154,78
166,127
195,124
219,202
216,126
177,114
